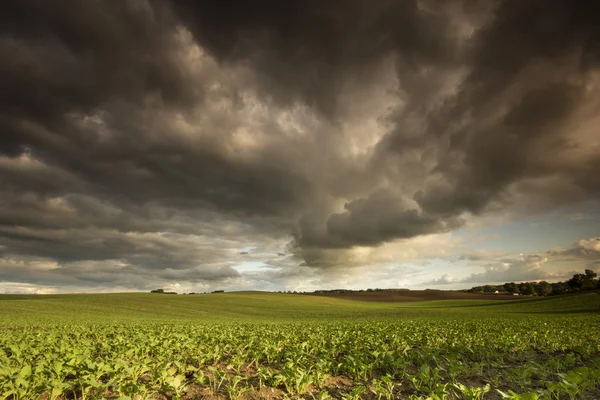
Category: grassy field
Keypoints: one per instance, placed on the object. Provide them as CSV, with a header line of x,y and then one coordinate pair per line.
x,y
269,346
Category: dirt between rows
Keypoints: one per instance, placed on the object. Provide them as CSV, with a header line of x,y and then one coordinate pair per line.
x,y
418,295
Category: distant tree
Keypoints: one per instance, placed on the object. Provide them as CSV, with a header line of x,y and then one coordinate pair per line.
x,y
508,287
590,274
157,291
576,281
489,289
523,288
543,288
589,282
560,288
529,288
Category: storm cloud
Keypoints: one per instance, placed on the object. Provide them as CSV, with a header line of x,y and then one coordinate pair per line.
x,y
153,142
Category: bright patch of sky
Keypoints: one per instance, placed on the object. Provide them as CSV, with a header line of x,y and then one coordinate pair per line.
x,y
559,228
249,266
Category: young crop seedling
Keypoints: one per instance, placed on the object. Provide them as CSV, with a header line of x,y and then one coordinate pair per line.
x,y
389,352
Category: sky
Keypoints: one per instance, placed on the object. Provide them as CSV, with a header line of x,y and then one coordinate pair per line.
x,y
297,145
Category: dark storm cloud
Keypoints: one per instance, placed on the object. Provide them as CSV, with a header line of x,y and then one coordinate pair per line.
x,y
66,56
530,69
171,135
68,63
306,50
383,216
527,69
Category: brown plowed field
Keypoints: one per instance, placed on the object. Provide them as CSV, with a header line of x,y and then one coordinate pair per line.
x,y
419,295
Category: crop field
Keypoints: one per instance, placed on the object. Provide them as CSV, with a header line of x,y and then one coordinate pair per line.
x,y
284,346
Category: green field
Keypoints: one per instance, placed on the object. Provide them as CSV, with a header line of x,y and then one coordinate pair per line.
x,y
270,346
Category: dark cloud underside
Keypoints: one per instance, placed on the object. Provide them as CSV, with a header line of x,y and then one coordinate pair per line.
x,y
167,136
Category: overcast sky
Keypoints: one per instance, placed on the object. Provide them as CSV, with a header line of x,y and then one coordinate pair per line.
x,y
298,144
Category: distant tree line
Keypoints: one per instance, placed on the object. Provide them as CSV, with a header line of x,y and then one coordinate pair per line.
x,y
578,283
161,291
